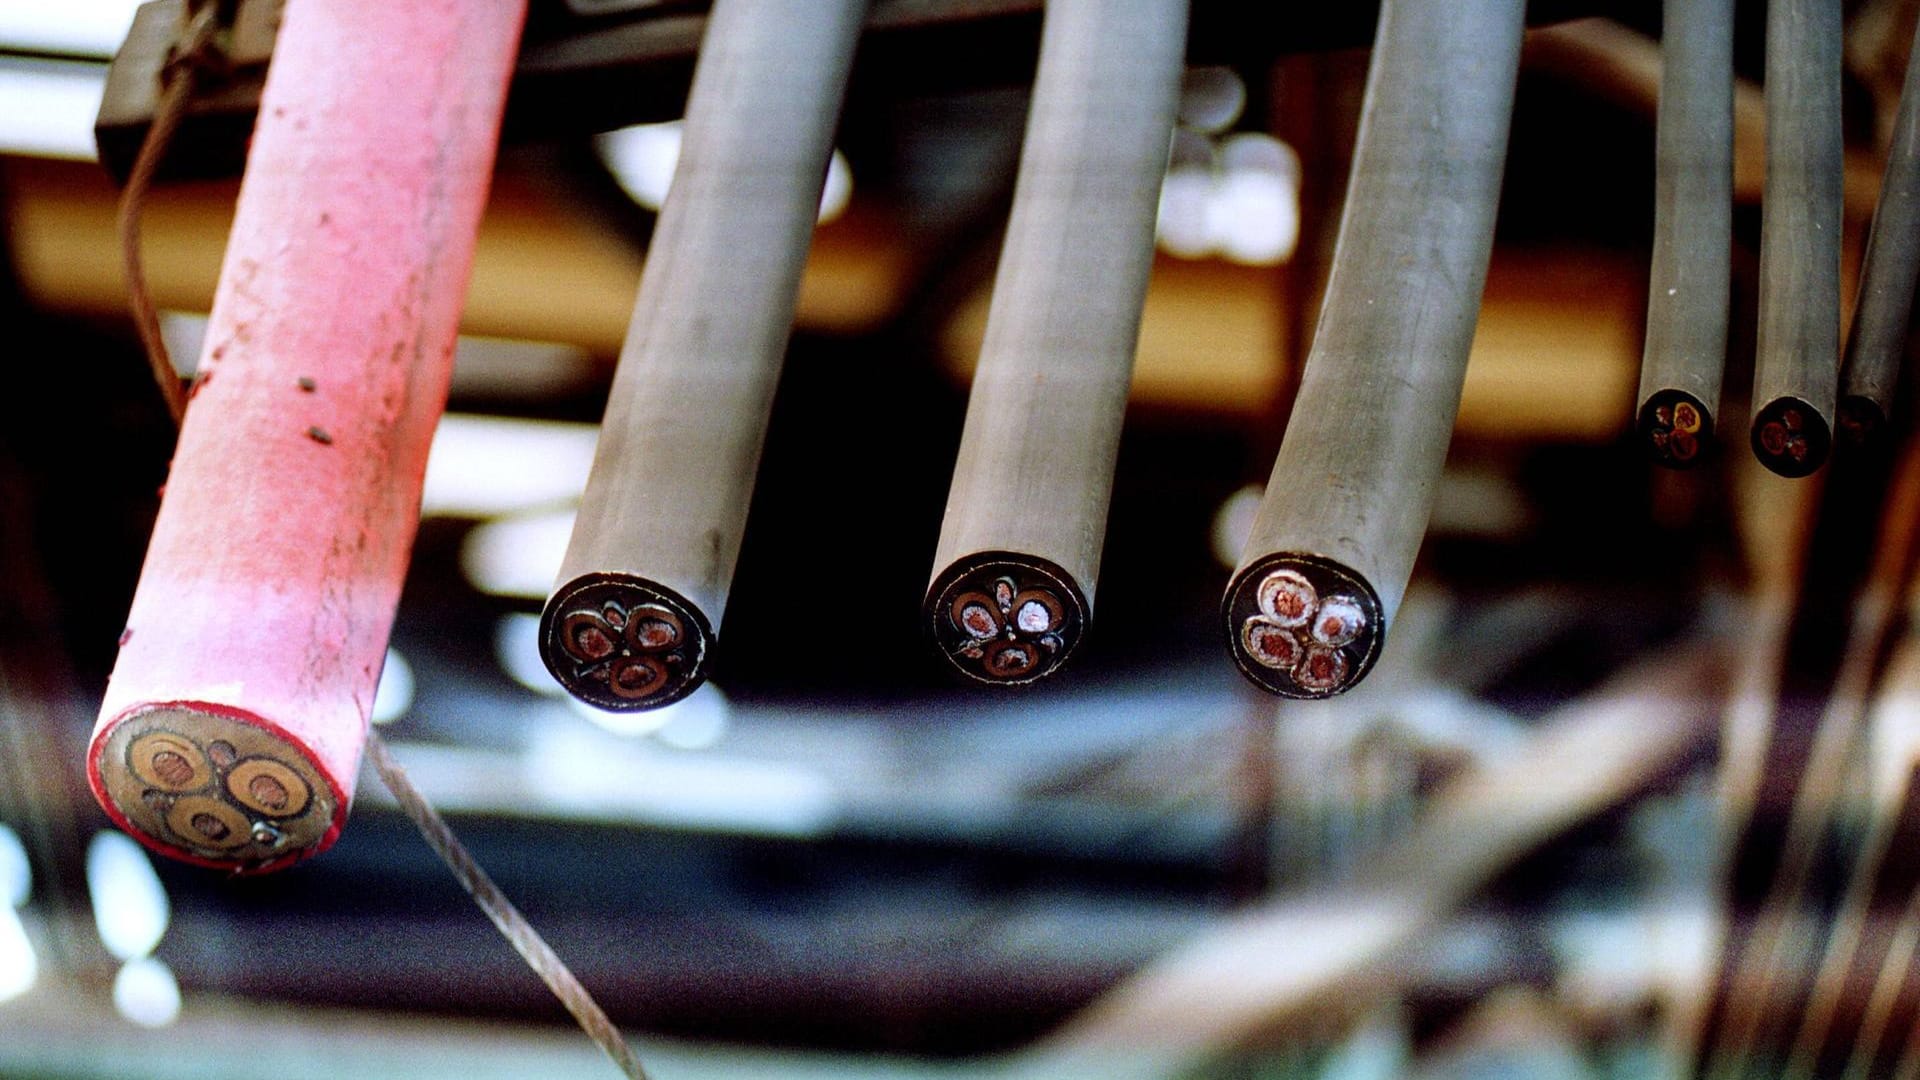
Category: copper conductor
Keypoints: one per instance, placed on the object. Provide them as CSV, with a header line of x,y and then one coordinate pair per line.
x,y
588,635
1287,598
1274,646
653,628
204,822
636,676
268,792
1037,611
975,614
169,762
1860,420
1341,619
172,769
268,787
1011,659
1321,670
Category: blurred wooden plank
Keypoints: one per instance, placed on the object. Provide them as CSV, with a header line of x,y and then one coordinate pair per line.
x,y
1326,954
1555,356
544,270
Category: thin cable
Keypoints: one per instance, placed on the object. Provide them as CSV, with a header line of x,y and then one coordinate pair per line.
x,y
513,925
179,79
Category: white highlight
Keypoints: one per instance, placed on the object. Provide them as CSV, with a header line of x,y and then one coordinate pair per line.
x,y
1243,206
16,873
581,772
50,106
1211,99
130,907
517,556
1233,524
625,724
516,645
698,721
81,28
838,191
572,773
482,467
19,967
642,159
394,696
146,993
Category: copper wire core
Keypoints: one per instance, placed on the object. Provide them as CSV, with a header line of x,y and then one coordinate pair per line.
x,y
1287,598
974,613
636,676
268,787
268,792
653,633
1339,622
589,636
1271,645
209,823
1011,659
1860,420
1037,612
1321,669
172,768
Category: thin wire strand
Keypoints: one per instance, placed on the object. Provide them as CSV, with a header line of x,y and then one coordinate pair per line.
x,y
179,79
513,925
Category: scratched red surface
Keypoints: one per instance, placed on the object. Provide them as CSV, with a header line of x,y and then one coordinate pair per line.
x,y
276,563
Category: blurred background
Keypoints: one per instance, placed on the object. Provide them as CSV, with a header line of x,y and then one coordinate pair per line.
x,y
864,868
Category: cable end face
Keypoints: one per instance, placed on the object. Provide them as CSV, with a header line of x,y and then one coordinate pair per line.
x,y
1303,626
1790,437
1676,429
1003,618
215,787
624,644
1861,420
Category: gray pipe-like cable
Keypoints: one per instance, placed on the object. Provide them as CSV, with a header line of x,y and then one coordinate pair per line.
x,y
645,580
1796,373
1019,550
1879,338
1689,287
1334,542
